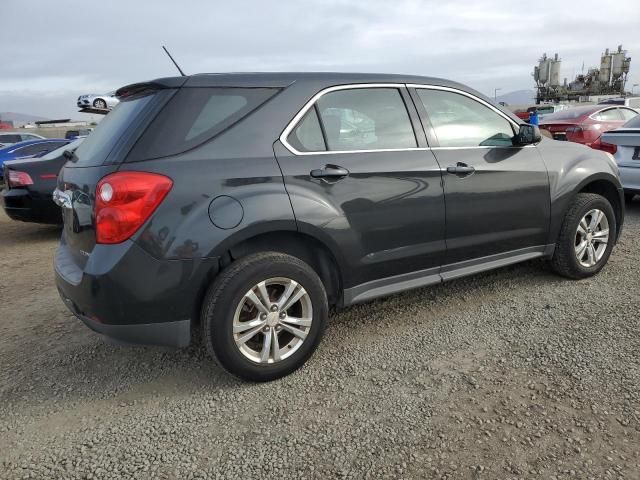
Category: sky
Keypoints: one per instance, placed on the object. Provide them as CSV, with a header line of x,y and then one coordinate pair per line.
x,y
54,51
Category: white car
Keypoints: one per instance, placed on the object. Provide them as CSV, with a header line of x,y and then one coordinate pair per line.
x,y
105,101
10,138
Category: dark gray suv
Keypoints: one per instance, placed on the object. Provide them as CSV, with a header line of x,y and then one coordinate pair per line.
x,y
241,207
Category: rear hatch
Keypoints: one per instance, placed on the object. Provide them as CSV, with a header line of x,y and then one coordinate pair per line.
x,y
101,153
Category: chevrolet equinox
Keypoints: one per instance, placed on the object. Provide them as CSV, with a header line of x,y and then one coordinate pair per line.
x,y
241,207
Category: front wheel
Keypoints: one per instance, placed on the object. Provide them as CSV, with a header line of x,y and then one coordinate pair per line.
x,y
264,316
99,103
586,237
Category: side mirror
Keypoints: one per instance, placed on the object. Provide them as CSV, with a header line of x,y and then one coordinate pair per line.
x,y
528,135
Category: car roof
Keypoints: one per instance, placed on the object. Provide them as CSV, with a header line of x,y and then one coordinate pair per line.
x,y
284,79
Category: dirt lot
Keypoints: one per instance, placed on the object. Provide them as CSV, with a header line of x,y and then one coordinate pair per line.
x,y
512,374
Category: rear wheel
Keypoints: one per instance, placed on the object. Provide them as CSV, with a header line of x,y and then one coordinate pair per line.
x,y
586,238
264,316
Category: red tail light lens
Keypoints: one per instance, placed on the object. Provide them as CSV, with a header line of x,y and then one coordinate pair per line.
x,y
18,179
124,201
604,146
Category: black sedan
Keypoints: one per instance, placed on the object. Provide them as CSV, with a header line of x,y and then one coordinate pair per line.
x,y
29,185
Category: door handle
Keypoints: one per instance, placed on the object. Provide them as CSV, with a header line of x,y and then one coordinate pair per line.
x,y
461,169
329,171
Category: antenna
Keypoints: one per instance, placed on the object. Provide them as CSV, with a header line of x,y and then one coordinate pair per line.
x,y
174,62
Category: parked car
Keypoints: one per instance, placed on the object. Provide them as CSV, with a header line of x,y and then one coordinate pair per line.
x,y
632,102
30,184
80,133
239,206
10,138
585,124
543,110
624,144
104,101
29,149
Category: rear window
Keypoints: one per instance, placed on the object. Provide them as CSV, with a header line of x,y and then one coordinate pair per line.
x,y
196,115
97,146
10,138
59,151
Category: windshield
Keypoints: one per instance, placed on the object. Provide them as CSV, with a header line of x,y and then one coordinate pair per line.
x,y
59,151
96,148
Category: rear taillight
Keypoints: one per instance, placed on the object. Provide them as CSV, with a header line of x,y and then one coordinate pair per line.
x,y
124,201
18,179
604,146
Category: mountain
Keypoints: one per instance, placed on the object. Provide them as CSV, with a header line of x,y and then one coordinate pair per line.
x,y
519,97
20,118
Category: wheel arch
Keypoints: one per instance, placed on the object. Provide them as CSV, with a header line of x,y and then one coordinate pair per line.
x,y
303,246
607,187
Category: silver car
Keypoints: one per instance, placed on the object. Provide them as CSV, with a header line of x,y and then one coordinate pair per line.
x,y
9,138
627,154
104,101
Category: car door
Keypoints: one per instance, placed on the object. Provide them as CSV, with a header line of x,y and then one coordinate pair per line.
x,y
496,194
360,176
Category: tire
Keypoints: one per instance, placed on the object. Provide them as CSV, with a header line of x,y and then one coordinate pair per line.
x,y
99,103
226,303
565,257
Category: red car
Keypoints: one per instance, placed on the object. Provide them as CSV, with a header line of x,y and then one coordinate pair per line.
x,y
586,124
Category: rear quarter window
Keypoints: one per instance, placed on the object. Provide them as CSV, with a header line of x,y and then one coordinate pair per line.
x,y
194,116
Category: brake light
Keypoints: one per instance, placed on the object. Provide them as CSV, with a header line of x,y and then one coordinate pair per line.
x,y
604,146
124,201
18,179
48,176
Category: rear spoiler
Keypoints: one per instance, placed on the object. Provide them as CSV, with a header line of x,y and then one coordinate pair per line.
x,y
159,84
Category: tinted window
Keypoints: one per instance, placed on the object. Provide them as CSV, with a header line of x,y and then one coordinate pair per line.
x,y
29,137
37,148
195,115
307,135
608,115
633,123
10,138
95,150
628,114
366,119
460,121
60,150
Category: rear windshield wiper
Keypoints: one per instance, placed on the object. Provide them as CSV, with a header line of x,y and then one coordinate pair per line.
x,y
70,155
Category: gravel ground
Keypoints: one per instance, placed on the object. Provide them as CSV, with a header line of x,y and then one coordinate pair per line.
x,y
512,374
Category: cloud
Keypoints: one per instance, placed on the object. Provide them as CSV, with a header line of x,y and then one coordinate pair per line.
x,y
64,49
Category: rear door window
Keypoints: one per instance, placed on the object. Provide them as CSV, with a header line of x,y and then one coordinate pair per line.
x,y
366,119
307,135
194,116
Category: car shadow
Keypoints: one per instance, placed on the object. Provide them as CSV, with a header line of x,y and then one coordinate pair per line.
x,y
75,364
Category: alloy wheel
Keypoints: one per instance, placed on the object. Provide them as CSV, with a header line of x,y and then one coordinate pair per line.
x,y
592,237
272,320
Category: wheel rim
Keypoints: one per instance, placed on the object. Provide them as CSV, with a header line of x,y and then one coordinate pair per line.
x,y
101,104
272,320
592,237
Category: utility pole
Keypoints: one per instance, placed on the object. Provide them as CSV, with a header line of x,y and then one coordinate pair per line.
x,y
495,93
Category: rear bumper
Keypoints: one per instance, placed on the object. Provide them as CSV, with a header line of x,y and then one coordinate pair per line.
x,y
630,178
124,293
21,205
